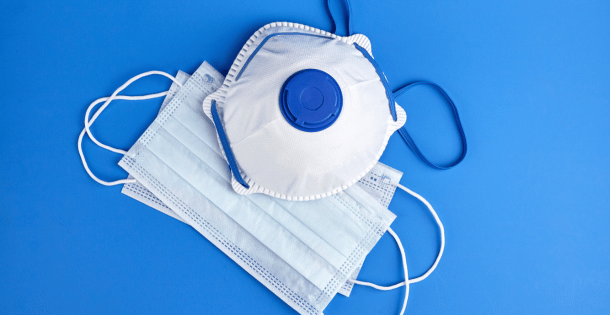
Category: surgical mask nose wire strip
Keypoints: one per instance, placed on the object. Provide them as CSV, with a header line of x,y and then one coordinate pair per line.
x,y
411,144
107,100
402,253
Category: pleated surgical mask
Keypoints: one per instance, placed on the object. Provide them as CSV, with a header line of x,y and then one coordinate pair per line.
x,y
303,251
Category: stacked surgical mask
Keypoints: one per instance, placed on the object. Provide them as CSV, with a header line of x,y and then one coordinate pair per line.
x,y
303,251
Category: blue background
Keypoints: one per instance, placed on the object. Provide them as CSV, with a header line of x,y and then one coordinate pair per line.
x,y
526,214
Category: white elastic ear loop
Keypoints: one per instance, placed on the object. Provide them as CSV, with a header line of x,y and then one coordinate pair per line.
x,y
107,100
425,275
404,267
440,227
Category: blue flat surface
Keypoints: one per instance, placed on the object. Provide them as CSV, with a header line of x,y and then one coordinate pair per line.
x,y
526,214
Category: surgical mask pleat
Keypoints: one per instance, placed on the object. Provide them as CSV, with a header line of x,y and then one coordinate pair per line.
x,y
324,220
247,214
223,231
191,119
367,207
309,234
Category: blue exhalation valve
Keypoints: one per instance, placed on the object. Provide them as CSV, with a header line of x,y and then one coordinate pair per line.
x,y
311,100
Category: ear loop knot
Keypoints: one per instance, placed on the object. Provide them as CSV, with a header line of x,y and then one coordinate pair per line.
x,y
411,144
107,101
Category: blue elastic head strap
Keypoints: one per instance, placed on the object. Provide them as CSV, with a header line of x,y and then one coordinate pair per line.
x,y
349,21
383,79
405,135
226,146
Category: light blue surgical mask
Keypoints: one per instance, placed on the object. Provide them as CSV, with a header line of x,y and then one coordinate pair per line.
x,y
380,183
305,252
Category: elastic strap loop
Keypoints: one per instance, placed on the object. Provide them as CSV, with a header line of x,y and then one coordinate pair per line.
x,y
349,21
402,254
405,134
107,100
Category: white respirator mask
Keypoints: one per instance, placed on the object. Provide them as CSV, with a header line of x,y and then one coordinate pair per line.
x,y
303,113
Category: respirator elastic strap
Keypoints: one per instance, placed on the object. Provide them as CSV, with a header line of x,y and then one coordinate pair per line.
x,y
226,146
349,21
405,134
